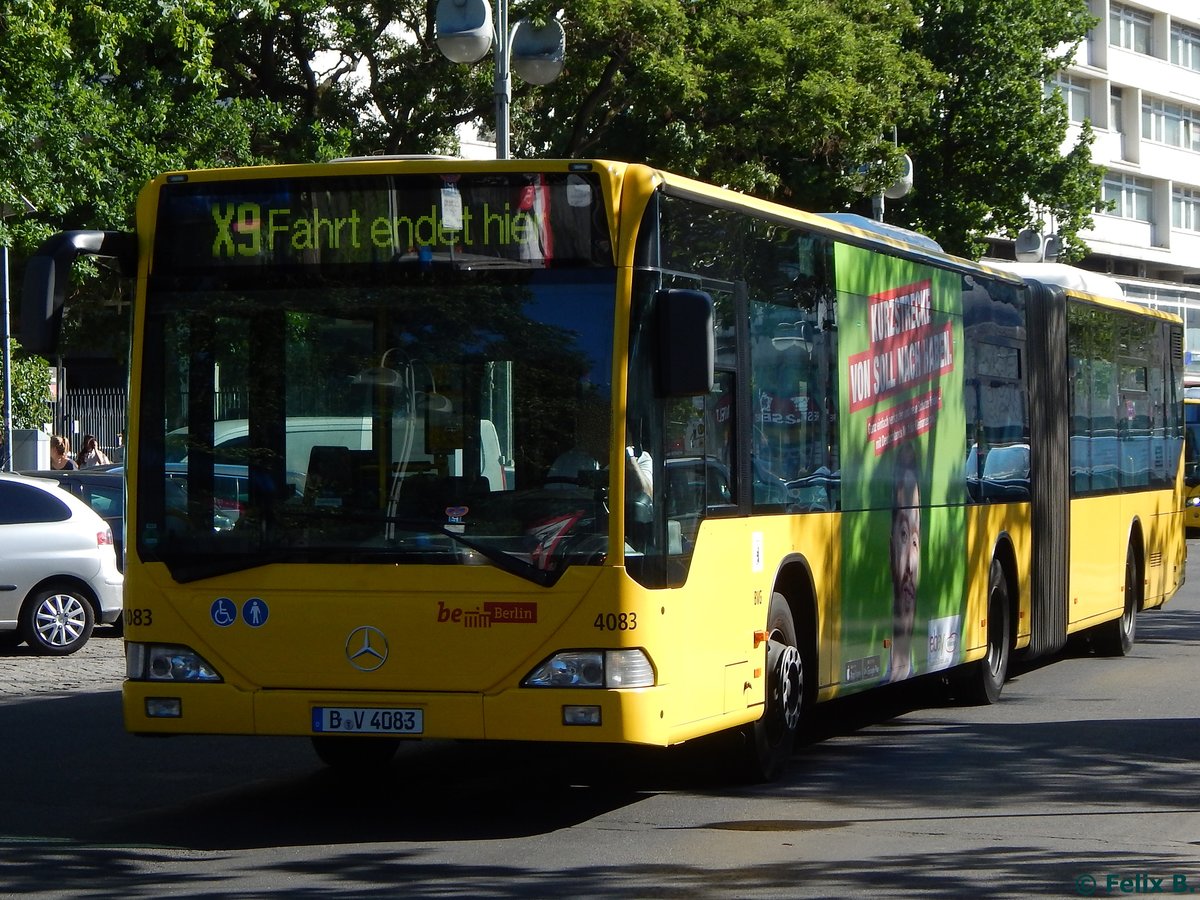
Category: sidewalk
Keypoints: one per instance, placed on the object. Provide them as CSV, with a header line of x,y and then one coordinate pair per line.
x,y
99,666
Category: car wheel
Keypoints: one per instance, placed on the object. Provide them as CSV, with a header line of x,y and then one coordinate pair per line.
x,y
57,621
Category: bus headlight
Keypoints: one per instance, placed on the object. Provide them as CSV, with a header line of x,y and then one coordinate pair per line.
x,y
166,662
594,669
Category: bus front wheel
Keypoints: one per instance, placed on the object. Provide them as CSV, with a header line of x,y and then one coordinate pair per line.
x,y
771,739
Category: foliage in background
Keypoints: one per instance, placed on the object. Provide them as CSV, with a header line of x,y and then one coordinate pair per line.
x,y
995,145
785,99
31,390
94,100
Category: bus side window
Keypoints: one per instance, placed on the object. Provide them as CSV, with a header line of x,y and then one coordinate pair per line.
x,y
700,479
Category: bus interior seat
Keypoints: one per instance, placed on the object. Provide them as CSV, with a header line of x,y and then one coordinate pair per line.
x,y
341,477
572,466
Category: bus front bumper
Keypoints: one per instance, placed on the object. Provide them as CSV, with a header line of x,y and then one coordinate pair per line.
x,y
521,714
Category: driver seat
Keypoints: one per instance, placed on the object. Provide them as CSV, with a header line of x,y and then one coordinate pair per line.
x,y
571,467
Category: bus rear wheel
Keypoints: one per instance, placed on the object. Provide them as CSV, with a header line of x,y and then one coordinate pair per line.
x,y
771,739
347,753
1115,638
983,680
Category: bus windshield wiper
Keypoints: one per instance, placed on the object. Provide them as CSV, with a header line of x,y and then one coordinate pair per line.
x,y
500,559
196,567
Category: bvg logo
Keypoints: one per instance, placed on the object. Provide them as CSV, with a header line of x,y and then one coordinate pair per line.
x,y
488,615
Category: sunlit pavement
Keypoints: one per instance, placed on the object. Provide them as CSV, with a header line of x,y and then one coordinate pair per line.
x,y
99,666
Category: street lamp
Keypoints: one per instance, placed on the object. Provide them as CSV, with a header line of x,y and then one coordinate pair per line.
x,y
465,33
6,448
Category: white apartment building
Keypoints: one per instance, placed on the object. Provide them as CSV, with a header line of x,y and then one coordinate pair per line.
x,y
1137,78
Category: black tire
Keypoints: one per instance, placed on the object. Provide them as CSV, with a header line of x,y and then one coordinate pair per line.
x,y
771,739
1116,638
57,620
355,752
983,680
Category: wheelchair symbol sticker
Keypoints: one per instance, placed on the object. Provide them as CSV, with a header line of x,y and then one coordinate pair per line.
x,y
255,612
223,612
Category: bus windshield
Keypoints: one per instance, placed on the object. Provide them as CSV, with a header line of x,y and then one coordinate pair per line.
x,y
1191,434
431,410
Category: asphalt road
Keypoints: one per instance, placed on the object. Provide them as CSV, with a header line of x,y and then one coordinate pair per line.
x,y
1080,782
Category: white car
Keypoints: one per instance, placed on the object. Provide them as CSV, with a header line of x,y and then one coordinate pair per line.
x,y
58,568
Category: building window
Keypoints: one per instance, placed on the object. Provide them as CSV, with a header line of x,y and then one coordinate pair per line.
x,y
1129,28
1171,124
1077,94
1185,47
1131,197
1185,209
1116,110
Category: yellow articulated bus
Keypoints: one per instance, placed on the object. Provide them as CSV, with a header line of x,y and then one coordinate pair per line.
x,y
585,451
1191,457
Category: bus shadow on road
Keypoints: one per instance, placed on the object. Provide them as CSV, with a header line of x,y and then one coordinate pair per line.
x,y
880,753
222,793
122,821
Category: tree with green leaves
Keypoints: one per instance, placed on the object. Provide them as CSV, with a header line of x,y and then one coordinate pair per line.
x,y
31,389
30,394
94,100
784,99
991,160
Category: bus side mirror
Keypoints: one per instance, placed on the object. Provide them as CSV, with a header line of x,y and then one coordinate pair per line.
x,y
685,342
48,272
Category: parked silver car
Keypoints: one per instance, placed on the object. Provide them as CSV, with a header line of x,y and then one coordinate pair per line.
x,y
58,568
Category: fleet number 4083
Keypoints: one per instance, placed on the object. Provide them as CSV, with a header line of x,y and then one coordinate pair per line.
x,y
626,621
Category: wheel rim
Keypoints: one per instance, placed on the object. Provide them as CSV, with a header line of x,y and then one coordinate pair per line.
x,y
787,687
996,636
997,623
60,620
1130,597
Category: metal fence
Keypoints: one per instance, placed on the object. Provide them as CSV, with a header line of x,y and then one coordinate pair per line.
x,y
98,411
103,412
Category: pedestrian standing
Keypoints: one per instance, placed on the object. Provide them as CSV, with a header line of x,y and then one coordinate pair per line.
x,y
60,453
90,453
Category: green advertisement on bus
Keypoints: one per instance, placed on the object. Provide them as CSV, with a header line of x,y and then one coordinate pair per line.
x,y
902,428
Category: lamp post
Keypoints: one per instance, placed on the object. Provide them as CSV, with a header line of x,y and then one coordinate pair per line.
x,y
6,450
465,33
6,453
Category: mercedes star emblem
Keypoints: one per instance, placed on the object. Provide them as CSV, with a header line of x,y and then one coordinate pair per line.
x,y
366,648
